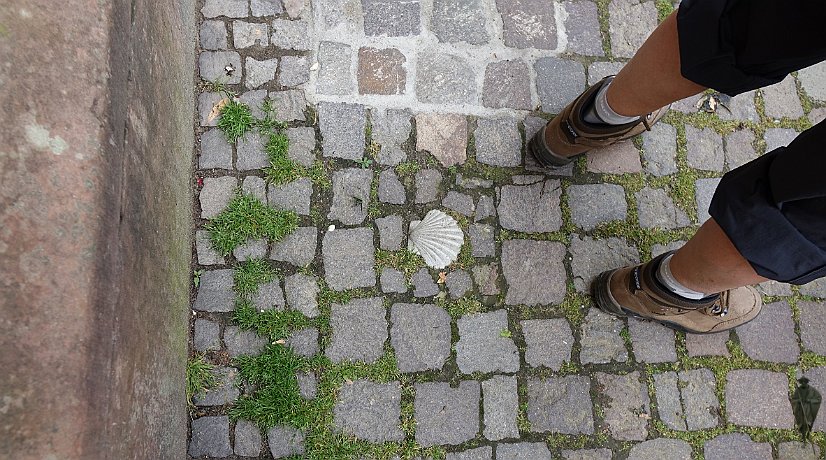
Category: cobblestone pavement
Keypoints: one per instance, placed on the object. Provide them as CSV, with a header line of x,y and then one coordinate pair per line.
x,y
413,105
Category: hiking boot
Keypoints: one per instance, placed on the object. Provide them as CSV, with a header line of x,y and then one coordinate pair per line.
x,y
633,291
568,135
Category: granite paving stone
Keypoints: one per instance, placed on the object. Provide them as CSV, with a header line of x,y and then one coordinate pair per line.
x,y
301,293
213,35
369,411
627,410
582,28
740,107
688,400
487,278
444,136
781,100
216,195
479,453
251,154
591,257
482,240
259,72
351,195
295,71
736,446
758,398
255,186
212,66
243,342
704,149
629,24
285,441
349,258
334,74
359,331
587,454
391,129
669,402
601,69
428,182
458,283
247,34
558,81
228,8
658,249
778,137
390,232
205,103
225,390
255,100
656,449
247,439
307,384
207,255
344,16
655,209
560,405
816,288
304,342
523,451
507,84
659,147
770,336
485,208
652,342
500,405
207,335
392,281
390,188
817,379
291,35
269,295
420,336
215,292
813,81
302,145
812,325
210,437
459,21
774,288
485,345
261,8
297,248
620,158
381,71
342,128
445,415
528,24
459,202
600,339
472,183
294,196
534,272
593,204
423,284
531,208
739,148
549,342
393,18
445,79
707,344
498,142
289,105
705,191
794,450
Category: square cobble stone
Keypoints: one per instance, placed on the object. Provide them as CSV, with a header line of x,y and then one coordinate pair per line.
x,y
369,411
257,187
247,439
688,400
523,450
302,145
359,331
600,339
297,248
207,255
334,74
445,415
258,72
705,149
207,335
285,441
480,453
351,195
289,105
601,69
587,454
591,257
391,129
459,202
707,344
798,450
629,24
705,189
294,196
307,384
445,79
528,23
652,342
482,347
393,18
781,100
558,81
420,336
216,194
533,271
816,288
736,446
482,240
302,294
549,342
582,28
391,189
349,258
228,8
758,398
392,281
444,136
778,137
620,158
381,71
243,343
390,232
213,35
247,34
295,71
487,278
455,21
304,342
739,148
251,154
255,101
507,85
261,8
627,401
560,405
220,65
342,127
659,147
269,296
659,448
210,437
500,405
812,80
812,325
458,283
423,284
531,208
215,292
291,35
206,101
485,208
593,204
498,142
655,209
771,336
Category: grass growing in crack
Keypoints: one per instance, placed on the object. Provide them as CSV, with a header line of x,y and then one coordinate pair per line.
x,y
405,261
236,120
407,168
199,377
246,217
250,274
460,307
271,323
281,169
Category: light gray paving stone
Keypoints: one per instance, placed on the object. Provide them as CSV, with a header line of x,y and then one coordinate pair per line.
x,y
294,196
736,446
207,335
428,182
349,258
247,439
532,126
269,296
620,158
507,84
483,345
302,145
771,336
500,405
307,384
549,342
655,209
344,15
459,21
420,336
487,278
531,208
459,202
593,204
285,441
289,105
225,390
205,103
391,189
255,101
423,284
391,129
669,403
812,325
652,342
228,8
302,293
369,411
334,74
817,379
342,128
778,137
240,342
351,195
587,454
781,100
485,208
526,179
392,281
758,398
213,35
392,18
247,34
628,398
261,8
656,449
445,79
207,255
816,288
444,136
295,71
534,272
600,339
472,183
794,450
210,437
629,24
215,292
251,154
560,405
774,288
391,234
528,24
445,415
601,69
813,81
705,191
482,241
255,186
498,142
582,28
739,148
705,149
479,453
458,283
658,249
660,149
297,248
291,35
558,82
523,451
359,331
259,72
699,393
591,257
707,344
740,107
216,194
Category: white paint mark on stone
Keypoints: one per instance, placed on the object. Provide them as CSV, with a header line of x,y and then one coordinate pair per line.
x,y
560,16
41,139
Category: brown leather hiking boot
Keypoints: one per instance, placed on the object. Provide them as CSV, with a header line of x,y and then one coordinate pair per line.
x,y
633,291
568,135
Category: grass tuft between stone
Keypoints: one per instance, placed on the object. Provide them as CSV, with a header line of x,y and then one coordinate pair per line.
x,y
246,217
199,377
248,275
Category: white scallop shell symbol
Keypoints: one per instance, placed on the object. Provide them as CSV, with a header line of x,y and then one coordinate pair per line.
x,y
437,238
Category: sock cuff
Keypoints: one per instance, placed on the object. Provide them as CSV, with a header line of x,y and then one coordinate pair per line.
x,y
603,109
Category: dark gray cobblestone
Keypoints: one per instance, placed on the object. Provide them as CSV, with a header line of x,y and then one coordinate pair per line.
x,y
359,330
484,344
560,405
369,411
446,415
420,335
627,410
758,398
